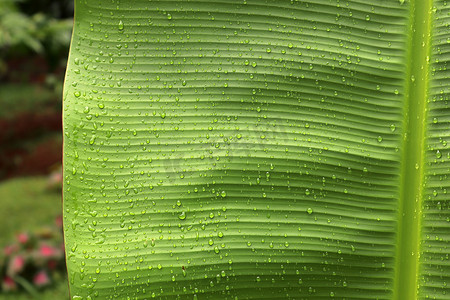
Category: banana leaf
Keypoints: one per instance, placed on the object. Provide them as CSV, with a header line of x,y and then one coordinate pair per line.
x,y
258,149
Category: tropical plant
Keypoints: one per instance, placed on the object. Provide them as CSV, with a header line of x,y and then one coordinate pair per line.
x,y
258,149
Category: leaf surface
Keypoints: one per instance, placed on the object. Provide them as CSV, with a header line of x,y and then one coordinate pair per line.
x,y
257,149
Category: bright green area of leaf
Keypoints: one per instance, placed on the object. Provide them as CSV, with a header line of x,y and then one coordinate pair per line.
x,y
257,149
411,188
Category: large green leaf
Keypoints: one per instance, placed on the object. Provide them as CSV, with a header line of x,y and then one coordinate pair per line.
x,y
258,149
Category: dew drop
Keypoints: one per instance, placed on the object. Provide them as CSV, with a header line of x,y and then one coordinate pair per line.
x,y
120,25
438,154
392,127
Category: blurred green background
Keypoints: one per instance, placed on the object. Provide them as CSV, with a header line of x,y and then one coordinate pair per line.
x,y
34,43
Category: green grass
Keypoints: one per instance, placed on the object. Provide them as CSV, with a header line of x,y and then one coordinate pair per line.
x,y
27,205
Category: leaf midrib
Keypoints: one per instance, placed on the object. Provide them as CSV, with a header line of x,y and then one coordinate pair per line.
x,y
412,173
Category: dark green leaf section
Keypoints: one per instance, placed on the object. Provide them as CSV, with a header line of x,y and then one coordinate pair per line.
x,y
239,149
435,265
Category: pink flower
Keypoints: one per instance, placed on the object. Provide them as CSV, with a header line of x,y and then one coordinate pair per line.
x,y
16,265
47,251
8,284
23,238
41,279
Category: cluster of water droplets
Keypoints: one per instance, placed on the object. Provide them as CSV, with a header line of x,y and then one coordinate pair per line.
x,y
211,147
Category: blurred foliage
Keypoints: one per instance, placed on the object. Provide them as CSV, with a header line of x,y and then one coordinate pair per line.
x,y
33,261
39,32
34,43
32,256
17,28
16,98
59,9
59,291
